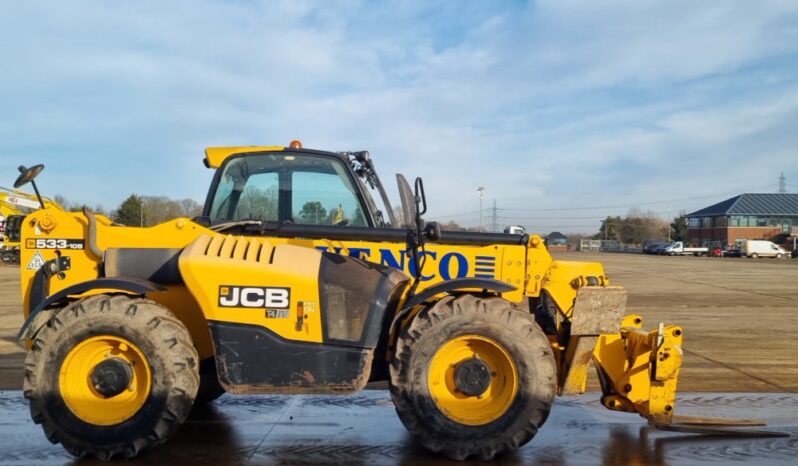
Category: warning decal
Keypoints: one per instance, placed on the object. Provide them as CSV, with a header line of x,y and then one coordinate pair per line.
x,y
36,262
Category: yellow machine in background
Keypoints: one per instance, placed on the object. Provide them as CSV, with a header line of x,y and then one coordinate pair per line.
x,y
295,281
14,205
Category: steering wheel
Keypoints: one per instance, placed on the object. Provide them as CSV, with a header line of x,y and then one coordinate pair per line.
x,y
27,175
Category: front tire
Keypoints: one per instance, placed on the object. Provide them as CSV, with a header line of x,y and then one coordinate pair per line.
x,y
473,377
111,375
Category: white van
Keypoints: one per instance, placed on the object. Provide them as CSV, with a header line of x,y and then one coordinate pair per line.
x,y
761,248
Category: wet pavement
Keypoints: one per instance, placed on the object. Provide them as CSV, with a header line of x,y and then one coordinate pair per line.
x,y
363,430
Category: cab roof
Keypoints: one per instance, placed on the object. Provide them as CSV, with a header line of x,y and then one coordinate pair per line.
x,y
215,156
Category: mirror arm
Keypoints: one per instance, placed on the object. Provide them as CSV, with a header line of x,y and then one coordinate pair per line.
x,y
413,243
38,196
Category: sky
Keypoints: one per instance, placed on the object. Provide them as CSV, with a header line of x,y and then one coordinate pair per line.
x,y
564,111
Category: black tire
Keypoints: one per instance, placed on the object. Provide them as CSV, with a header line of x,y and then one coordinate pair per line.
x,y
494,318
162,339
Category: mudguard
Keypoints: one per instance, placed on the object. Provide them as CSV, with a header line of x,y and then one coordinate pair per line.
x,y
457,284
42,312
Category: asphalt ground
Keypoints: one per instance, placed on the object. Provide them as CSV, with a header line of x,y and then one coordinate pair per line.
x,y
363,429
740,318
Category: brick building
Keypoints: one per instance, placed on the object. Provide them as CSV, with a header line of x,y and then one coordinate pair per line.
x,y
745,216
556,241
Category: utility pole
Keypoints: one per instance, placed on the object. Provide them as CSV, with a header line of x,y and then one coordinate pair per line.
x,y
481,191
782,184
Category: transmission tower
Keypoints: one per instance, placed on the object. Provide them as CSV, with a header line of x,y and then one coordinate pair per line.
x,y
782,184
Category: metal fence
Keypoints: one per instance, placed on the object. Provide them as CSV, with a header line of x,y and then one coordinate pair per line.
x,y
599,245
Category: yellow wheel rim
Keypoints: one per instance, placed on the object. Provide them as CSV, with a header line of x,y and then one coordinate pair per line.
x,y
469,409
80,393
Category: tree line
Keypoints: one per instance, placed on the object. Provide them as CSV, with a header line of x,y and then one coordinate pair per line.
x,y
637,226
142,210
152,210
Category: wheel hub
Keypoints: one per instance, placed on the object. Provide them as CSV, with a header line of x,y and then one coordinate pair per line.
x,y
111,377
105,380
472,377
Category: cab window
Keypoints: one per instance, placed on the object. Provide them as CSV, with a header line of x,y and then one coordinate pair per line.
x,y
297,188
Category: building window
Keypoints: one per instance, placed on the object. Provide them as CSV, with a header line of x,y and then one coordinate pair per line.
x,y
734,221
761,221
706,222
693,222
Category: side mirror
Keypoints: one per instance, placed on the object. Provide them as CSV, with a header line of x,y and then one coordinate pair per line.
x,y
27,175
408,201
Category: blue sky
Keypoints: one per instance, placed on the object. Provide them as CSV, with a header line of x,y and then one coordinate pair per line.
x,y
565,111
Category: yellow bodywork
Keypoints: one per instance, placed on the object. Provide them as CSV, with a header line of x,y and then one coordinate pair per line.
x,y
442,261
211,264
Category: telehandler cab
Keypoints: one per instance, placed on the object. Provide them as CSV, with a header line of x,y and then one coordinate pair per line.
x,y
295,281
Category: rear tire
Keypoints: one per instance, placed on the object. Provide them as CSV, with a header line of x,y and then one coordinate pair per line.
x,y
134,415
494,422
754,256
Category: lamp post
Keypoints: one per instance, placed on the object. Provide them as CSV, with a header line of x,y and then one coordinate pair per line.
x,y
481,191
669,224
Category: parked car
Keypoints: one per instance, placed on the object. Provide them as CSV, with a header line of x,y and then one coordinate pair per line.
x,y
651,246
733,252
794,254
760,248
660,250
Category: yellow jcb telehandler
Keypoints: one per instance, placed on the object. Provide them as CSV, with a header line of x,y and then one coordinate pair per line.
x,y
298,278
